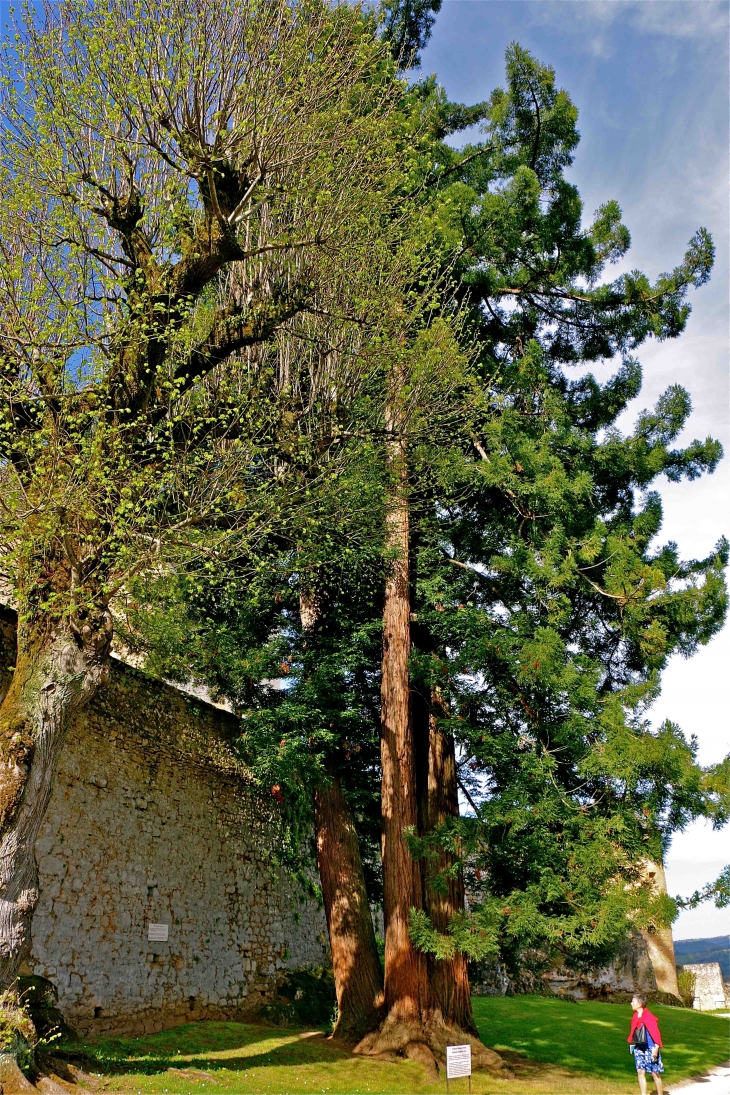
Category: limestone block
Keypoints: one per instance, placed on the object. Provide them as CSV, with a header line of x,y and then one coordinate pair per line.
x,y
53,866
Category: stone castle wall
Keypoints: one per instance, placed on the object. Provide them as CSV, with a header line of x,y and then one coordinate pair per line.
x,y
631,971
152,820
645,963
660,944
710,993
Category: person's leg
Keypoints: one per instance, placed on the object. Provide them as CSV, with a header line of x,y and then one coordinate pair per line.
x,y
658,1082
642,1080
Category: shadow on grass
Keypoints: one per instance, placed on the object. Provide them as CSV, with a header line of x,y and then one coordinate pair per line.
x,y
204,1047
549,1044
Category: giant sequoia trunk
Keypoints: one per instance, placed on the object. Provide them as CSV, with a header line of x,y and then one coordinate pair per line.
x,y
415,1023
412,1025
405,968
406,985
355,961
448,979
58,668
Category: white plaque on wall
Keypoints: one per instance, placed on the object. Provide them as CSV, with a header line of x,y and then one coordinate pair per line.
x,y
157,933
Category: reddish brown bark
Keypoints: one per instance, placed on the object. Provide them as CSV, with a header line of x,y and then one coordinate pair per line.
x,y
355,962
405,968
448,979
410,1026
356,965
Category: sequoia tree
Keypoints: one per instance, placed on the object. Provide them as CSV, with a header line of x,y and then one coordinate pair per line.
x,y
531,277
143,153
545,613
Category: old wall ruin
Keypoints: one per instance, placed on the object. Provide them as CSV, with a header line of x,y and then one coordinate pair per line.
x,y
645,963
153,821
710,993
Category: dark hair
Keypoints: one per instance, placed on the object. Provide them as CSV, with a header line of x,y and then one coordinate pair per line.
x,y
638,996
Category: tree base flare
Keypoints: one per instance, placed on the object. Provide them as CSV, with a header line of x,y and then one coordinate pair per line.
x,y
12,1080
426,1043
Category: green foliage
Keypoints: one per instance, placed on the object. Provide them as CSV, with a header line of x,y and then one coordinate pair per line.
x,y
17,1034
304,997
478,938
544,610
545,614
406,27
686,983
174,191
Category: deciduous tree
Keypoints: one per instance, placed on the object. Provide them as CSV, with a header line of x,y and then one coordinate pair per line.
x,y
144,152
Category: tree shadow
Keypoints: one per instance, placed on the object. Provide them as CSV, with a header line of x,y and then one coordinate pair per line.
x,y
197,1049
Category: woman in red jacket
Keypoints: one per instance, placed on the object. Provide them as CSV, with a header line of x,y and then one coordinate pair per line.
x,y
647,1055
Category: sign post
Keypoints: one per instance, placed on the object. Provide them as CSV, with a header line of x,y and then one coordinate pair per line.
x,y
458,1063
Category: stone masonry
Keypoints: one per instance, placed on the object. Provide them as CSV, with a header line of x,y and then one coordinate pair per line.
x,y
645,963
153,821
710,993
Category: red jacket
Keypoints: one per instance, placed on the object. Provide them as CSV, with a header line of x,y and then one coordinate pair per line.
x,y
649,1021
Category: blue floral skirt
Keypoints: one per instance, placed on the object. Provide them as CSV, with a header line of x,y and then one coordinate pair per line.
x,y
646,1063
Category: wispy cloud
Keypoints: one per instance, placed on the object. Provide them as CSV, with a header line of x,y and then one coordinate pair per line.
x,y
595,19
677,18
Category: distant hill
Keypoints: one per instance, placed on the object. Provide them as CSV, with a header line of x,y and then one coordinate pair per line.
x,y
717,949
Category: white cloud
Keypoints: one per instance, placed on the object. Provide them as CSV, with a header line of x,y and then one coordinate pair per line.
x,y
671,18
677,18
696,857
595,20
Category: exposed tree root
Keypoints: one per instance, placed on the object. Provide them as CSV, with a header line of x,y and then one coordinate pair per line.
x,y
426,1043
13,1081
46,1081
52,1085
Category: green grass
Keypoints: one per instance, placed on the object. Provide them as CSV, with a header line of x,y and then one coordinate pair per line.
x,y
591,1037
552,1047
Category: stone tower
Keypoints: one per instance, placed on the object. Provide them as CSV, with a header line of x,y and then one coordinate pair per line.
x,y
660,943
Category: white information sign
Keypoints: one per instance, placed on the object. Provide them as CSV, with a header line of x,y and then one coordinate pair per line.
x,y
157,933
458,1061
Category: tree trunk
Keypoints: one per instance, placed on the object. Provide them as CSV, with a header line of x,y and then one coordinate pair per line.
x,y
406,985
57,671
405,968
448,979
412,1025
355,960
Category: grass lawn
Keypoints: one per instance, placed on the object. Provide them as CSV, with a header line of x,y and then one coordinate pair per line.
x,y
553,1048
591,1037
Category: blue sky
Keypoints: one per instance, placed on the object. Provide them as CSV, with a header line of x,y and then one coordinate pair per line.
x,y
650,80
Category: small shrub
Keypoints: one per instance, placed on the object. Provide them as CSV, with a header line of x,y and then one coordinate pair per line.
x,y
17,1034
40,998
304,997
686,981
